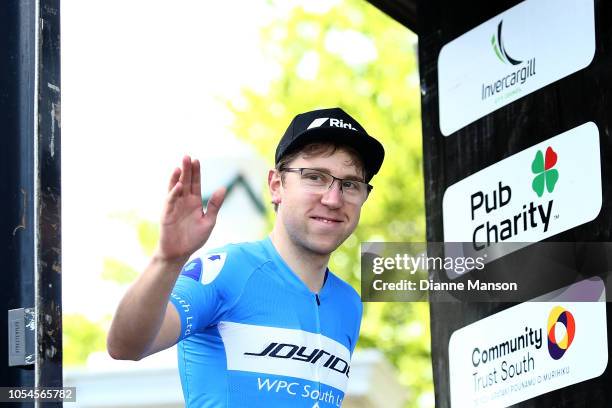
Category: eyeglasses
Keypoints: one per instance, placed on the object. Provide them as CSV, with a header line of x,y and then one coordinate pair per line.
x,y
317,181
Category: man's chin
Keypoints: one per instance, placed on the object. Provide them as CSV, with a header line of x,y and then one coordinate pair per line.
x,y
324,247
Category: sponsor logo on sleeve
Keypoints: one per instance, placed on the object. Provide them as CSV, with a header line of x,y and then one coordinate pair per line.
x,y
213,264
193,269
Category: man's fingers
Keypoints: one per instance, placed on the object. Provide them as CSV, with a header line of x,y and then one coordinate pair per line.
x,y
175,193
174,178
196,184
185,178
214,204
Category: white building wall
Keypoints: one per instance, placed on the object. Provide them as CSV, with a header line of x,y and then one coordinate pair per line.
x,y
154,383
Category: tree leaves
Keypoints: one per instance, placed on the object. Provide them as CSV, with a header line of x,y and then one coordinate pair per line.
x,y
381,90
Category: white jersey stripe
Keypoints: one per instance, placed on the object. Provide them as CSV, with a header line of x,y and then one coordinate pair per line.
x,y
288,352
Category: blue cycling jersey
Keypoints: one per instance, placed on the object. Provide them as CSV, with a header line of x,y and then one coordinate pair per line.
x,y
254,335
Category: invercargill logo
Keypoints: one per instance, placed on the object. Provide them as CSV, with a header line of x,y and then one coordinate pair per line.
x,y
546,176
500,50
558,347
509,81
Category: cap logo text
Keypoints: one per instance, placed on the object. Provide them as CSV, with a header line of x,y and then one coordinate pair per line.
x,y
332,122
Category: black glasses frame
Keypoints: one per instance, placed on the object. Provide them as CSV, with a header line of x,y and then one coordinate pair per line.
x,y
300,170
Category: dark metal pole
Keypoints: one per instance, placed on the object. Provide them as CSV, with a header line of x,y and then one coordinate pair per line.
x,y
30,189
48,200
17,79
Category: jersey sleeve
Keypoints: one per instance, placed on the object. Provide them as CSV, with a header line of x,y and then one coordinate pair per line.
x,y
205,290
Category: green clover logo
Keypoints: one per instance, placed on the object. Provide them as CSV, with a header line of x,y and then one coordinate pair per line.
x,y
546,176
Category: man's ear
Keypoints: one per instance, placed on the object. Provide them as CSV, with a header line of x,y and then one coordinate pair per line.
x,y
275,184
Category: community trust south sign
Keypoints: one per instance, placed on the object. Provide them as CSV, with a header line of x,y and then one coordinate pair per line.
x,y
530,349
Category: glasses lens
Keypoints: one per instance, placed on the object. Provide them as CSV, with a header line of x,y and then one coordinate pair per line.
x,y
317,179
354,191
353,187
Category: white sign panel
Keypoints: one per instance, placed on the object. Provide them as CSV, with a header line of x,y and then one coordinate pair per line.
x,y
529,350
532,195
521,50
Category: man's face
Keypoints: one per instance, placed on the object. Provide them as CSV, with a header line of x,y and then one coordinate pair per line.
x,y
318,222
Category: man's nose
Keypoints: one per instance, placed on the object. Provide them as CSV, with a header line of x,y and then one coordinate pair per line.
x,y
333,196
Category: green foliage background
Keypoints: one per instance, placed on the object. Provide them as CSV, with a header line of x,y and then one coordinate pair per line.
x,y
81,335
382,93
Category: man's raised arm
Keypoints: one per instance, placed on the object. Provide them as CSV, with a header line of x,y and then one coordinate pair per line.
x,y
145,321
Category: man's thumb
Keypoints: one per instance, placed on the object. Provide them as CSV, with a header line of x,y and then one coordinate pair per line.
x,y
214,203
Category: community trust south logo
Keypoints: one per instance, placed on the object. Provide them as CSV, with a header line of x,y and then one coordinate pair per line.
x,y
546,176
558,347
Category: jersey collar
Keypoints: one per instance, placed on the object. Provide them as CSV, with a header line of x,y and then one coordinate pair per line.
x,y
289,275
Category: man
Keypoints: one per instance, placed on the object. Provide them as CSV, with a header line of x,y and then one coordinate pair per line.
x,y
260,324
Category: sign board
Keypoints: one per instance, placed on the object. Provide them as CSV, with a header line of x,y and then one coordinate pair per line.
x,y
517,52
539,192
530,349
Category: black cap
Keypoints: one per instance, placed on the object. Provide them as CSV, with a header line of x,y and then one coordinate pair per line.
x,y
333,125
